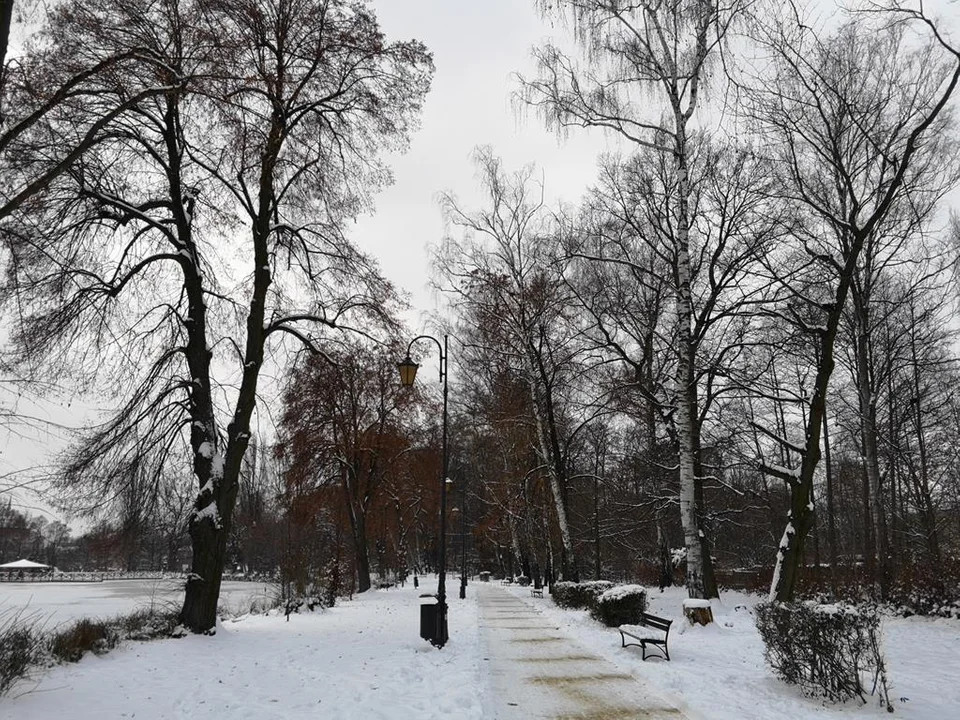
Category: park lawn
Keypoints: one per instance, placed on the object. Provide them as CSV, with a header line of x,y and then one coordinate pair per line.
x,y
364,659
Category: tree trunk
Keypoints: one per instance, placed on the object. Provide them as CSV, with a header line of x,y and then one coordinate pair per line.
x,y
6,20
875,552
699,567
597,564
925,505
206,572
552,462
218,472
831,519
665,562
361,553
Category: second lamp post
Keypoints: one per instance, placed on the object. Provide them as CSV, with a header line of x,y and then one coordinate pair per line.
x,y
408,372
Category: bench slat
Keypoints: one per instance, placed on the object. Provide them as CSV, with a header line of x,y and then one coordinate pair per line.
x,y
652,621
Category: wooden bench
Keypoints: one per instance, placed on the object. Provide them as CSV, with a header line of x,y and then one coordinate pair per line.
x,y
636,633
536,591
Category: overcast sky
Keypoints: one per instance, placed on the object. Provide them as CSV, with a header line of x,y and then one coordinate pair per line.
x,y
477,48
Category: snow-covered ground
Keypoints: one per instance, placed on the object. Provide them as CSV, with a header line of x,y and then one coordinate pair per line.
x,y
718,671
364,659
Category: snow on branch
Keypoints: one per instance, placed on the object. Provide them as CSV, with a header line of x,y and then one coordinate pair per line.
x,y
782,441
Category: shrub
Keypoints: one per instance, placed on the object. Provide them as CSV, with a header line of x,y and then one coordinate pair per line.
x,y
314,597
83,636
579,595
831,651
620,605
21,646
147,624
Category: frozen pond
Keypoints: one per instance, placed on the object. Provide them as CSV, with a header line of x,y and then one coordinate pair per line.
x,y
55,603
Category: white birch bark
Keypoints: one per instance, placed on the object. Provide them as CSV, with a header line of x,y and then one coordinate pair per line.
x,y
547,456
689,514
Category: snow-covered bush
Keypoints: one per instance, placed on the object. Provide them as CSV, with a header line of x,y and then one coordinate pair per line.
x,y
147,624
831,651
620,605
925,590
24,644
579,595
81,637
21,647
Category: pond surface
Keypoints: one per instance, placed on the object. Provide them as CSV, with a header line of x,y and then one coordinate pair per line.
x,y
55,603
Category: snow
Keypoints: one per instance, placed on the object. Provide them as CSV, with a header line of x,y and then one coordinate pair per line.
x,y
216,466
205,450
718,672
695,603
364,659
621,591
54,603
208,511
789,472
22,565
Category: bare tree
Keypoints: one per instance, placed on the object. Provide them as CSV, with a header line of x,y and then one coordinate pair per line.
x,y
662,49
341,429
205,225
513,305
853,123
627,246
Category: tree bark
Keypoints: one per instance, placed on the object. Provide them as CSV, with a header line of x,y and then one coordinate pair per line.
x,y
548,448
700,580
831,519
6,21
219,474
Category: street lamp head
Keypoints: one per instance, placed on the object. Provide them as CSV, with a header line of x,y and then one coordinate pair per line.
x,y
408,371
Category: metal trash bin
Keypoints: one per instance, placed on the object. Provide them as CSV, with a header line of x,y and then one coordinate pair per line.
x,y
428,619
430,622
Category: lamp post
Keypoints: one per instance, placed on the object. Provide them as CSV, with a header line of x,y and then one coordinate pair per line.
x,y
463,538
408,373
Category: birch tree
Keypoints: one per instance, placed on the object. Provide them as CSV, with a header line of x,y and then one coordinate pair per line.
x,y
635,52
626,246
205,225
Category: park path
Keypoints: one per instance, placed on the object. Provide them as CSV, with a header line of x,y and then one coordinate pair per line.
x,y
536,671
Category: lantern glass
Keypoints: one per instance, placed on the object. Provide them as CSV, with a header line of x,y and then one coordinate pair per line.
x,y
408,371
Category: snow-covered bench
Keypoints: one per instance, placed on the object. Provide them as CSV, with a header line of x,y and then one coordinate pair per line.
x,y
642,635
536,590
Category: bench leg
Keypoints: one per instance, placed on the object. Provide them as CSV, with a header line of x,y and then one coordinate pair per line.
x,y
666,653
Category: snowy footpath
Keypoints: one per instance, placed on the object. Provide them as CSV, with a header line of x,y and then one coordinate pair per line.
x,y
509,656
537,671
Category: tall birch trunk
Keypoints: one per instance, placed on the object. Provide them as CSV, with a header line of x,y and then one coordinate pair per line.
x,y
699,566
547,450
